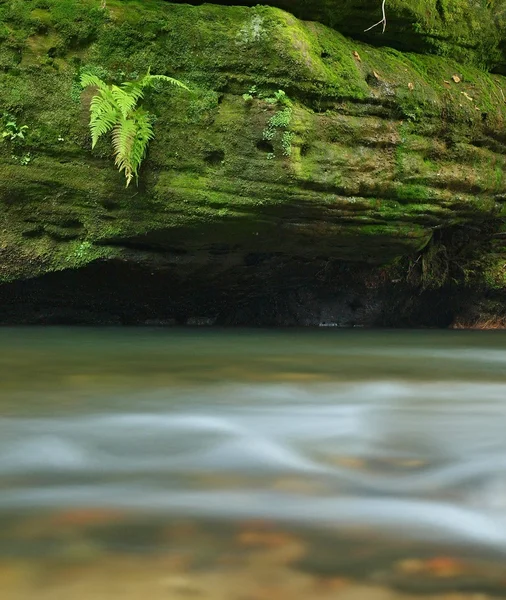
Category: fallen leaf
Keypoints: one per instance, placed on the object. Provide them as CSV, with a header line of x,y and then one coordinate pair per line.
x,y
456,78
466,95
357,56
411,86
446,81
477,108
444,566
376,75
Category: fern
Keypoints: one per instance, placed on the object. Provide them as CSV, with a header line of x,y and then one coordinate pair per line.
x,y
114,108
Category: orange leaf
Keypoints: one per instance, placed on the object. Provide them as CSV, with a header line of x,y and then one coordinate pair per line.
x,y
444,566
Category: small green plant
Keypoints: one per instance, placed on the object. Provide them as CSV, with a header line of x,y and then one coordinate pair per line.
x,y
280,121
14,135
115,108
251,93
25,159
11,131
280,97
286,142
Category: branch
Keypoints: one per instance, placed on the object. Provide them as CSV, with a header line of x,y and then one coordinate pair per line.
x,y
383,20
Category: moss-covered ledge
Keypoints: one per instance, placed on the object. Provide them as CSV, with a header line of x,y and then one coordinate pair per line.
x,y
470,32
385,147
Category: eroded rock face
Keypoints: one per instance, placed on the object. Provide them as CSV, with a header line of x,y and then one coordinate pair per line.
x,y
377,151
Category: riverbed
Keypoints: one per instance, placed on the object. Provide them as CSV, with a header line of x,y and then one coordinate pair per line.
x,y
252,464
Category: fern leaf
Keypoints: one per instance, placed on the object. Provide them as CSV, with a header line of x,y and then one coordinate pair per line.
x,y
123,138
124,100
114,108
88,79
133,89
171,80
149,80
144,134
103,114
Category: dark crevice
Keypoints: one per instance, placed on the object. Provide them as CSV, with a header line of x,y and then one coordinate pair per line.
x,y
214,157
441,10
498,147
70,223
304,149
33,233
109,204
265,146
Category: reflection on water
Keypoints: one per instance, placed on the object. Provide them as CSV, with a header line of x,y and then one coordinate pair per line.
x,y
251,464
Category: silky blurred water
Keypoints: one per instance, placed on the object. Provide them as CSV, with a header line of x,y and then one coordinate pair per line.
x,y
391,437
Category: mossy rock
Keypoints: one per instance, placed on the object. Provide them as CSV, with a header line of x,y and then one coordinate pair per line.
x,y
385,146
470,32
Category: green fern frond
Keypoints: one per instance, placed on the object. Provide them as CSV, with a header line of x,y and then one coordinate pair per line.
x,y
123,138
133,89
124,101
149,80
103,115
87,79
170,80
144,134
115,108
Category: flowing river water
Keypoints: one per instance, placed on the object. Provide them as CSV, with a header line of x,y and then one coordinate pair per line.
x,y
252,465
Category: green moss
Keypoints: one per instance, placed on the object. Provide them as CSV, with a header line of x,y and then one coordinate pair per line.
x,y
468,32
382,150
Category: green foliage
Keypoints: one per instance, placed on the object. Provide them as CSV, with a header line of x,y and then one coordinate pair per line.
x,y
15,136
11,131
24,160
286,142
280,122
280,98
76,88
251,93
114,108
